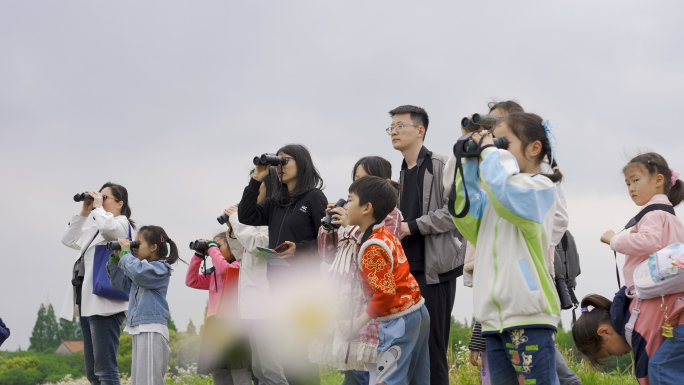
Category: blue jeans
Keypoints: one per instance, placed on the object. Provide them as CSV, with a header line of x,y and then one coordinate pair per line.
x,y
410,333
515,356
667,364
100,344
355,377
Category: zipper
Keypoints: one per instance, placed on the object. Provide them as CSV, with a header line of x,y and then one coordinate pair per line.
x,y
496,274
280,229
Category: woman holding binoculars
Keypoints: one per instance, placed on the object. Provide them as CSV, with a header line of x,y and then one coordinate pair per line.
x,y
293,215
101,314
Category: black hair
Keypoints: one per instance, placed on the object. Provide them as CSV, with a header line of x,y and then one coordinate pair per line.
x,y
308,177
584,331
378,192
655,164
155,235
507,106
418,115
376,166
528,128
119,192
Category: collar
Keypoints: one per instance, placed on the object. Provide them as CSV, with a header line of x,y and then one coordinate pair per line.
x,y
422,155
658,199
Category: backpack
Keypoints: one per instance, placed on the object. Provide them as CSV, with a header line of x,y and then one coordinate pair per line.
x,y
566,268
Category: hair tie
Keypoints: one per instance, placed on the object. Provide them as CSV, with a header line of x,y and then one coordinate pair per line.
x,y
674,177
585,310
550,137
162,239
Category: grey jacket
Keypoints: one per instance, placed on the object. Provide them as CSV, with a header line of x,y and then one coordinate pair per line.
x,y
443,251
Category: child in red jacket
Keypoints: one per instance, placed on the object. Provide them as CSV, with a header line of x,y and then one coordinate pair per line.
x,y
393,294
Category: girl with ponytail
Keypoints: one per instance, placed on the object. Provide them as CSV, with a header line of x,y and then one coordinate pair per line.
x,y
510,219
650,181
146,277
604,330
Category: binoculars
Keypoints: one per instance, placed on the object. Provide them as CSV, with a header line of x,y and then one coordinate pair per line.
x,y
470,148
114,245
269,159
222,219
199,245
327,221
81,197
473,123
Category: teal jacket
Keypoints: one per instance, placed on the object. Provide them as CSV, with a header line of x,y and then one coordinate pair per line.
x,y
510,223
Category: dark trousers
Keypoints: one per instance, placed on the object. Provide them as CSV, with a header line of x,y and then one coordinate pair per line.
x,y
439,301
100,345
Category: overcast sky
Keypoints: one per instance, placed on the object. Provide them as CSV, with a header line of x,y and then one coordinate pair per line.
x,y
173,99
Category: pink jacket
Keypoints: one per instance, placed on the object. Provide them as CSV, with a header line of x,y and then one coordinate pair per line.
x,y
194,279
655,231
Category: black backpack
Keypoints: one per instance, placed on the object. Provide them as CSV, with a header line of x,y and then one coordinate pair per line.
x,y
566,267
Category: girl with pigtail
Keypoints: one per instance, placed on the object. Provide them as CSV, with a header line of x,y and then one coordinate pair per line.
x,y
505,206
601,332
146,275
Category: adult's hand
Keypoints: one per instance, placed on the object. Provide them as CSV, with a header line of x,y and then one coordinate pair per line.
x,y
97,198
290,251
404,230
260,172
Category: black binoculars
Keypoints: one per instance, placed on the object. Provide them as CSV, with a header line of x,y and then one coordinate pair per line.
x,y
327,221
81,197
199,245
470,148
474,122
114,245
269,159
222,219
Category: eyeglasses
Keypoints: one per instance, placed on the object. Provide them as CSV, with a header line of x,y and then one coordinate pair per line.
x,y
287,159
399,127
105,197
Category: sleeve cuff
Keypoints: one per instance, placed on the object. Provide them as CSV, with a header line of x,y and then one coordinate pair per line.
x,y
487,149
212,244
372,313
613,241
413,227
254,184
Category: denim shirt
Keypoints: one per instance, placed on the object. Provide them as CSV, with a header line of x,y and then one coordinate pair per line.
x,y
147,283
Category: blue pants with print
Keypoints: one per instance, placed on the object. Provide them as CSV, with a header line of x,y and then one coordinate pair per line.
x,y
522,356
667,364
410,333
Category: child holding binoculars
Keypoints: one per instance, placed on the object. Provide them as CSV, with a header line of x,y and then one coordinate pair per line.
x,y
220,353
146,277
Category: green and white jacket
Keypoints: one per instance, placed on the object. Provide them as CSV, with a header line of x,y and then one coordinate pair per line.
x,y
510,223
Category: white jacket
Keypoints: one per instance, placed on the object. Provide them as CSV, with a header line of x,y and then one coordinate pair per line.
x,y
253,287
77,237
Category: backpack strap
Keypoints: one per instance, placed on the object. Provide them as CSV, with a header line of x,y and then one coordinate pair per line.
x,y
629,327
632,222
662,207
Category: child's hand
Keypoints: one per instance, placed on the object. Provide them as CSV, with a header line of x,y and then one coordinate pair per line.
x,y
488,138
290,251
125,244
343,329
607,236
116,253
230,210
340,217
475,358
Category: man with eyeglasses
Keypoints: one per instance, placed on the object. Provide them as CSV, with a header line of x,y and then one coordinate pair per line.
x,y
431,242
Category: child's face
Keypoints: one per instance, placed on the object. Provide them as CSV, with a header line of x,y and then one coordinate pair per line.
x,y
225,250
524,156
641,185
145,252
360,172
613,343
354,211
